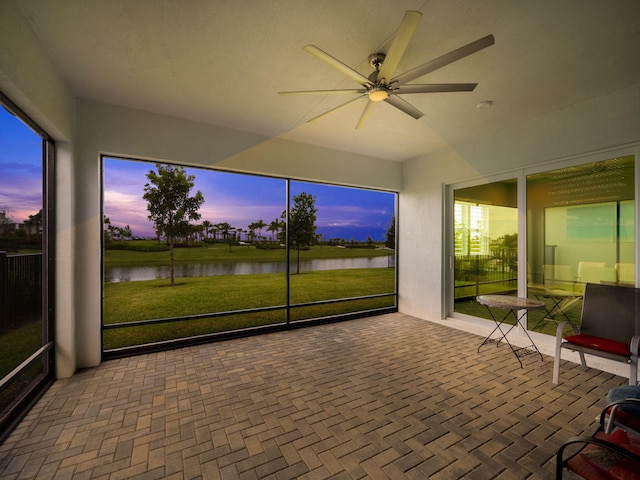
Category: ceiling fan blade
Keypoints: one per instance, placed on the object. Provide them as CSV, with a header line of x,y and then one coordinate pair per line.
x,y
322,92
399,44
365,113
334,109
445,59
435,88
405,106
337,64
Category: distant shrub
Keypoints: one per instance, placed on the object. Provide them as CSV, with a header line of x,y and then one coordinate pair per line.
x,y
138,247
269,246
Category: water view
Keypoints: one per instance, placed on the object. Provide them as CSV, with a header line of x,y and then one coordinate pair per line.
x,y
114,274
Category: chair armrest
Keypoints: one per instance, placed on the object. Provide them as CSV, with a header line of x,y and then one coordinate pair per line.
x,y
613,447
560,330
634,345
559,337
607,416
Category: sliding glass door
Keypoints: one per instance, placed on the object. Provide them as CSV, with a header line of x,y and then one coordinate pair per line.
x,y
575,225
485,244
581,229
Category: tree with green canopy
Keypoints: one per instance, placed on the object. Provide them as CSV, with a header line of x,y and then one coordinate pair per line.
x,y
169,204
302,223
390,242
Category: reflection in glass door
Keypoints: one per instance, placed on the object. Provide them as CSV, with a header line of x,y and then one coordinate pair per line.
x,y
485,244
580,230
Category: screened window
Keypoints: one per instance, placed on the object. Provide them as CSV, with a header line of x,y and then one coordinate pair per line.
x,y
249,253
26,333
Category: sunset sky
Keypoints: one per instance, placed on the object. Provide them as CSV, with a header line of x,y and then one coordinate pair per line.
x,y
347,213
20,168
243,199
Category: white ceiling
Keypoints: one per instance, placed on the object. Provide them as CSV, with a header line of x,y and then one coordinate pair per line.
x,y
222,62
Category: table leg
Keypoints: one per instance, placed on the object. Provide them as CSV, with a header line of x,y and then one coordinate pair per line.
x,y
498,327
522,351
519,351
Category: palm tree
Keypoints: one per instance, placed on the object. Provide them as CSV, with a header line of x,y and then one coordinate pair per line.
x,y
206,224
259,224
125,233
224,228
106,221
252,231
274,228
198,231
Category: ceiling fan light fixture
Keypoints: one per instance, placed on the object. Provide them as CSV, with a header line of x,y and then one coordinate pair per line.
x,y
382,85
378,93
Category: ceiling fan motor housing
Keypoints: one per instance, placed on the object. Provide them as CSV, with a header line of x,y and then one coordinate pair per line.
x,y
382,85
376,60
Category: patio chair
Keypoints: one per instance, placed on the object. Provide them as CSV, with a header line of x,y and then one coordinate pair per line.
x,y
605,455
609,328
625,414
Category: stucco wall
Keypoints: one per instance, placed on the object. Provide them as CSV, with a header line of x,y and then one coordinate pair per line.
x,y
597,128
115,130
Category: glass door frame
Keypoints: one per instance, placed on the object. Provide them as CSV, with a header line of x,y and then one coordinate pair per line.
x,y
599,157
449,255
521,176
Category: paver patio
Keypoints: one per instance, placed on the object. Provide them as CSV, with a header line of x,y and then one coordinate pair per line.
x,y
382,397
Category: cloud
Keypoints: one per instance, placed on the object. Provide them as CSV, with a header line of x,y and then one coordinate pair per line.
x,y
20,196
241,199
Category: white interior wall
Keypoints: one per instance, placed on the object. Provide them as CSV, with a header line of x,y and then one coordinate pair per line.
x,y
590,129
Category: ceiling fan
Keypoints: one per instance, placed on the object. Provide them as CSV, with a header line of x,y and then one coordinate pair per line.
x,y
381,85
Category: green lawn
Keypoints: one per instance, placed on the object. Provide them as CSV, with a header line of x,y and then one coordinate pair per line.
x,y
18,345
538,320
134,301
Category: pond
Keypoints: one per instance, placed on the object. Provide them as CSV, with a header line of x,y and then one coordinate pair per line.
x,y
138,273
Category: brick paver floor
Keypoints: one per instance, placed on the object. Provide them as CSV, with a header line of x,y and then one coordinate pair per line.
x,y
382,397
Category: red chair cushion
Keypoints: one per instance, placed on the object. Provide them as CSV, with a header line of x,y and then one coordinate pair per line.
x,y
595,462
602,344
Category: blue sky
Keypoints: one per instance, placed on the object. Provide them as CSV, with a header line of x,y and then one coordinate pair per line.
x,y
239,199
20,168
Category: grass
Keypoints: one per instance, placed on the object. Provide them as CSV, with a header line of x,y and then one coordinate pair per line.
x,y
220,253
18,345
537,319
133,301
